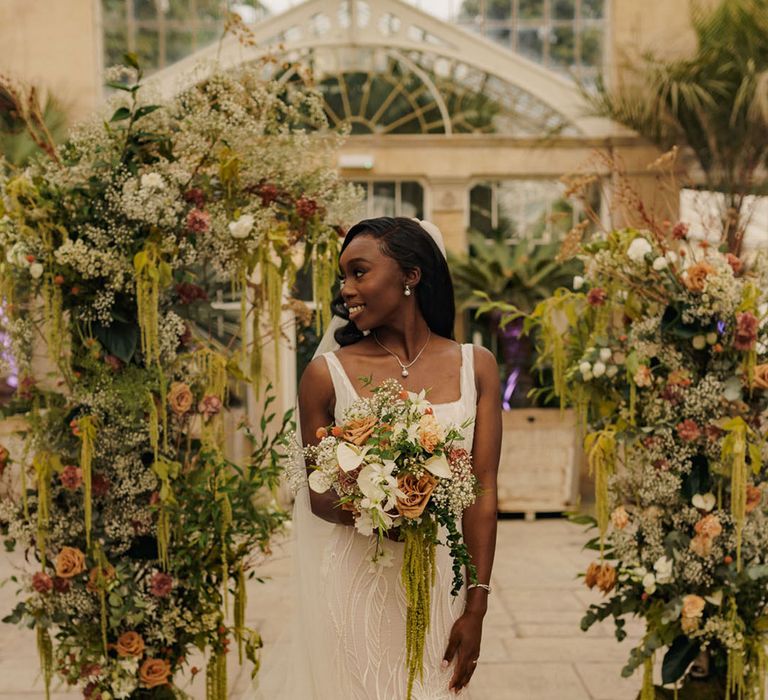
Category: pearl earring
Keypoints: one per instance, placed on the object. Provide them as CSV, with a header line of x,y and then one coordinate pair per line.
x,y
407,291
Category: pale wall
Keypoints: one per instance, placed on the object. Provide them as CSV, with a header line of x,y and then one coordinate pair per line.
x,y
55,44
661,26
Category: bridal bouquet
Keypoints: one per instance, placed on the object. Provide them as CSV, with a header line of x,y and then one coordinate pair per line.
x,y
393,464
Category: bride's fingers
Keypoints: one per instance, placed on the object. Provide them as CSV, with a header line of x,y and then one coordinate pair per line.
x,y
450,651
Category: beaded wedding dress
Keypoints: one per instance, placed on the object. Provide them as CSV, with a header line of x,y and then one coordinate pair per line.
x,y
350,638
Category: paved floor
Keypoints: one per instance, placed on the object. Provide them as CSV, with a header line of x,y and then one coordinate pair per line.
x,y
532,648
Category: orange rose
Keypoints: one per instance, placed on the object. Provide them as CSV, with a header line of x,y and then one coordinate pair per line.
x,y
100,578
180,398
70,562
693,609
154,672
696,275
590,578
754,496
606,578
358,430
130,644
701,545
430,433
416,494
708,526
760,380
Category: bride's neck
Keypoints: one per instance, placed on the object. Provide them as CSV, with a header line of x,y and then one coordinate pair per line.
x,y
406,338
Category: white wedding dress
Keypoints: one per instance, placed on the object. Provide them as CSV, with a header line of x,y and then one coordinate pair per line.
x,y
350,636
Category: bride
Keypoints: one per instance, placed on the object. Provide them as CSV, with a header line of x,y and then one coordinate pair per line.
x,y
396,317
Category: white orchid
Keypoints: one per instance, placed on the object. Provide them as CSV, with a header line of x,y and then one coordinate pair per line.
x,y
350,456
438,466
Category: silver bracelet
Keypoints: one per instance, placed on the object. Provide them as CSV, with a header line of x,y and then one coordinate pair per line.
x,y
484,586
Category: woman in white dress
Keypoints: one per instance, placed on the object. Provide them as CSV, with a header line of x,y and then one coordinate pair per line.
x,y
397,303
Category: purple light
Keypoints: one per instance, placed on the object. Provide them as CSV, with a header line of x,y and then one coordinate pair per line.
x,y
721,327
509,388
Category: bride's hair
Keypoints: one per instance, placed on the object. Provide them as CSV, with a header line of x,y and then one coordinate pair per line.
x,y
410,246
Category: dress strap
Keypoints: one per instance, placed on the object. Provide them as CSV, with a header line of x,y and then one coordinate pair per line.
x,y
468,388
342,386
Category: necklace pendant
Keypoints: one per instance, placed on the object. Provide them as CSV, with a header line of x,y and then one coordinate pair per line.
x,y
404,372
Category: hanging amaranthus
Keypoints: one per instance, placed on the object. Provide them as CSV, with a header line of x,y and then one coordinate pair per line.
x,y
152,274
212,366
241,602
43,464
165,471
601,458
86,431
216,677
735,449
45,652
418,576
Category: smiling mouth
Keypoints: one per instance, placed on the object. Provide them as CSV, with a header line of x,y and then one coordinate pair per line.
x,y
355,310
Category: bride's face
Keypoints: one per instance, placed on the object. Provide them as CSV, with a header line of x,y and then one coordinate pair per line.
x,y
372,283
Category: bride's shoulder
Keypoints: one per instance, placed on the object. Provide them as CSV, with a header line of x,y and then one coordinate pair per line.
x,y
316,376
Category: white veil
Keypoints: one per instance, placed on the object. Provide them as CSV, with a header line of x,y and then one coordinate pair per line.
x,y
291,670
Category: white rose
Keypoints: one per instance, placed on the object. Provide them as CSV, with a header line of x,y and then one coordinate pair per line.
x,y
242,227
152,181
585,368
732,389
36,270
578,282
319,481
598,369
586,376
649,584
638,249
699,342
660,264
611,371
605,354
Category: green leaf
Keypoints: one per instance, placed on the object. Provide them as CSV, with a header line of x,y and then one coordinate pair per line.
x,y
121,113
131,59
677,658
144,111
119,86
119,339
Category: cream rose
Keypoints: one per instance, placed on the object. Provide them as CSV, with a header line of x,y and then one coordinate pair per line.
x,y
358,430
430,433
693,606
620,518
130,644
180,398
701,545
154,672
70,562
416,494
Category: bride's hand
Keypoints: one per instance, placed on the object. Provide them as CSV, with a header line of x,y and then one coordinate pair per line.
x,y
464,644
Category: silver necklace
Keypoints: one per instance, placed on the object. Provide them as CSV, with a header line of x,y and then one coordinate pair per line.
x,y
403,366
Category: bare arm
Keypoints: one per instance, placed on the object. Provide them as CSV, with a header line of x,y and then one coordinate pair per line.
x,y
316,399
479,521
